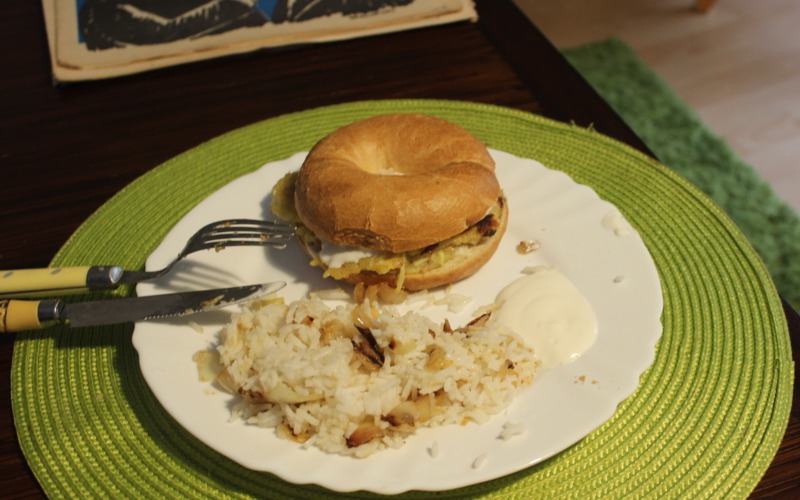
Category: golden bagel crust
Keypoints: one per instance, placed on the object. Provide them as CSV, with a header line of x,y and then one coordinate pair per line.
x,y
395,182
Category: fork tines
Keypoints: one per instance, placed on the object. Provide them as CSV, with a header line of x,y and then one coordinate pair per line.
x,y
239,232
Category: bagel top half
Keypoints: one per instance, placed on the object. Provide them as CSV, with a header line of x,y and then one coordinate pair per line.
x,y
416,194
395,182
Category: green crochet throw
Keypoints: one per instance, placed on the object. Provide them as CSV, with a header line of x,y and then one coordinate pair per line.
x,y
677,136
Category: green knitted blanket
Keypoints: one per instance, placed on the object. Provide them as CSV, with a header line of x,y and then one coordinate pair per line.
x,y
676,135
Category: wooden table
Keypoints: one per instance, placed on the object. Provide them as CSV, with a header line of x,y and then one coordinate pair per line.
x,y
66,150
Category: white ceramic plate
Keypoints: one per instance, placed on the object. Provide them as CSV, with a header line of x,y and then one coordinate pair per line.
x,y
612,269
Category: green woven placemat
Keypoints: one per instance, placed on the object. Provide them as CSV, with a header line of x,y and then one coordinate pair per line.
x,y
706,420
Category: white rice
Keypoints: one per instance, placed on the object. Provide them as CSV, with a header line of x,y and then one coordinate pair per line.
x,y
296,376
511,430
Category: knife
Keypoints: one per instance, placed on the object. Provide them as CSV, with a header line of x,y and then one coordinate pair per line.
x,y
20,315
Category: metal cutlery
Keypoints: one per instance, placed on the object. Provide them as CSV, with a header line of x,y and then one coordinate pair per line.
x,y
66,280
20,315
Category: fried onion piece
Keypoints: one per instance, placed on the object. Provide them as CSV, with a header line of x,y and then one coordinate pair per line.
x,y
405,416
368,350
287,432
379,293
437,358
279,394
364,433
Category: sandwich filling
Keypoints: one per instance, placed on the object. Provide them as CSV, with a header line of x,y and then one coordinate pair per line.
x,y
340,262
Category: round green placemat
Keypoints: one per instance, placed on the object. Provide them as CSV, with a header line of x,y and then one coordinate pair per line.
x,y
706,420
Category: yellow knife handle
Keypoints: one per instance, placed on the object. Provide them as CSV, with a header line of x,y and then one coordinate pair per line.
x,y
21,315
33,282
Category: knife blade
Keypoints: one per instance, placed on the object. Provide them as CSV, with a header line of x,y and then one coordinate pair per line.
x,y
19,315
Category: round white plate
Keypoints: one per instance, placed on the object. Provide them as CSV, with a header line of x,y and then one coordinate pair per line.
x,y
608,263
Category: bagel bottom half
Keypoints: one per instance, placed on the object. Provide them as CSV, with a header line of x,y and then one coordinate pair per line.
x,y
435,265
463,261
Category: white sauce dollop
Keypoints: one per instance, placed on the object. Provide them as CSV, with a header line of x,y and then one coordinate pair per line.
x,y
336,256
550,314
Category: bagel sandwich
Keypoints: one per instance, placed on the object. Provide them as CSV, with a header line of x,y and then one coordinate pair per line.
x,y
405,200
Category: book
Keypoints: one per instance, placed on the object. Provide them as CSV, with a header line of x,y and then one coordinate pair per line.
x,y
96,39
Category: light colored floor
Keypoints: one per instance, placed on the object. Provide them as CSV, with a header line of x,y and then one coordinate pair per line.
x,y
737,66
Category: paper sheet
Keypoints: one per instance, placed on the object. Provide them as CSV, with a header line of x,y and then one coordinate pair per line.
x,y
94,39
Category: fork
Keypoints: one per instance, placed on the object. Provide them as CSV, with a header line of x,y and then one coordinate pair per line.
x,y
67,280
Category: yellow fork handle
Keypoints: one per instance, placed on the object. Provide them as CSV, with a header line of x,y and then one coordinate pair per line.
x,y
21,315
57,280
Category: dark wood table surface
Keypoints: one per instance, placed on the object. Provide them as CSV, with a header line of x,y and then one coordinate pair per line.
x,y
65,150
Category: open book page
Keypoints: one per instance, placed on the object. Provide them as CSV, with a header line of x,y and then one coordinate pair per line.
x,y
93,39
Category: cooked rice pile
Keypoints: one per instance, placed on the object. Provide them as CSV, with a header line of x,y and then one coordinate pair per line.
x,y
356,379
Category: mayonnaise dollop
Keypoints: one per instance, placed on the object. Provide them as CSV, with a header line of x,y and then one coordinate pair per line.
x,y
336,256
550,314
